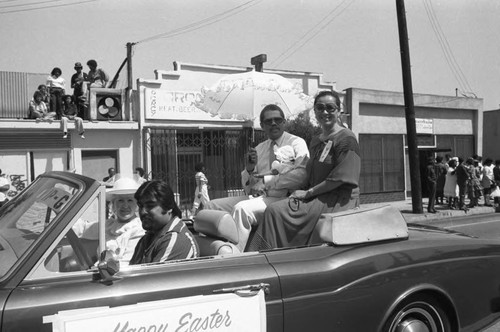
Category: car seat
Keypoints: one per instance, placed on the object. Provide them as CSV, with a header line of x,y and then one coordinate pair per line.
x,y
216,233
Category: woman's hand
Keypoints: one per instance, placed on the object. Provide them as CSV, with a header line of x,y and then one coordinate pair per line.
x,y
299,194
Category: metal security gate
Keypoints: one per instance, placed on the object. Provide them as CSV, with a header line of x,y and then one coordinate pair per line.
x,y
175,152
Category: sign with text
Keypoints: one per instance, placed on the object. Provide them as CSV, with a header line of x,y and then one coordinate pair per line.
x,y
173,105
424,126
224,312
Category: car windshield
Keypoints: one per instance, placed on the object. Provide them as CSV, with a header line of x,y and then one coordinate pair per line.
x,y
24,219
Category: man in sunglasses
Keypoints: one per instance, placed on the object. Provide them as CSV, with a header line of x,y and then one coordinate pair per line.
x,y
248,210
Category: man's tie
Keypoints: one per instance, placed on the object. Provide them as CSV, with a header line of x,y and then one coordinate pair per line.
x,y
272,156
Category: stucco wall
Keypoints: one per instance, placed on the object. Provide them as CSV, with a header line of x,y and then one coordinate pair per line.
x,y
383,112
125,141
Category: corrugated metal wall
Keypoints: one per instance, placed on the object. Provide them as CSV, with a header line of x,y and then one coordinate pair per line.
x,y
16,90
32,140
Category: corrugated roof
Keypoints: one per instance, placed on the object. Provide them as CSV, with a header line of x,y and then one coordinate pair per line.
x,y
16,90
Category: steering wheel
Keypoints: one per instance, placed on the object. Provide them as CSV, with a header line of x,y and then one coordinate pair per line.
x,y
81,254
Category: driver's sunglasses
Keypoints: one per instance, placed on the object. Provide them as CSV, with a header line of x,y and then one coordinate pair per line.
x,y
320,107
269,122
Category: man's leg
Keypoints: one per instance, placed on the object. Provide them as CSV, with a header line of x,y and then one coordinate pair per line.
x,y
224,204
248,214
431,186
461,195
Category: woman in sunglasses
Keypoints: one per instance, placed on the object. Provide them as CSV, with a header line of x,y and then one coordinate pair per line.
x,y
333,174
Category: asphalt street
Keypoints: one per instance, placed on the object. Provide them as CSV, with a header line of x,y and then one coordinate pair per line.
x,y
486,226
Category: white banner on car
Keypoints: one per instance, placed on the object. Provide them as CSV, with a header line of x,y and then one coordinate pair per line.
x,y
224,312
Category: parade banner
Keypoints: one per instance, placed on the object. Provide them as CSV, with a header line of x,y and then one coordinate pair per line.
x,y
224,313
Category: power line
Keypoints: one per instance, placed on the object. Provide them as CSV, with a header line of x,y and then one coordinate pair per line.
x,y
45,7
202,23
310,34
29,4
446,49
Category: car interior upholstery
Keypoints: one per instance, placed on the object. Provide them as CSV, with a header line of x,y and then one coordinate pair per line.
x,y
216,233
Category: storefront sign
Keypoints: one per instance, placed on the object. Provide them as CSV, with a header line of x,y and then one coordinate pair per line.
x,y
173,105
424,126
224,312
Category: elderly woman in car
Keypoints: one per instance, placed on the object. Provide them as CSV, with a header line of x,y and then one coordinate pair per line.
x,y
123,229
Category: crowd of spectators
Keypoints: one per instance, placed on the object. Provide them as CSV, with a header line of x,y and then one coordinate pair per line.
x,y
459,178
52,102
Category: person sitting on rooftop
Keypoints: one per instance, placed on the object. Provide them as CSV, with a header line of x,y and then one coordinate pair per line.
x,y
38,109
70,111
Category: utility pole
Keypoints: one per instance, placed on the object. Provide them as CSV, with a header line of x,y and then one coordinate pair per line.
x,y
411,131
130,83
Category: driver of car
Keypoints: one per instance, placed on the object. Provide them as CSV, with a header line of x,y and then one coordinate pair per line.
x,y
167,236
123,229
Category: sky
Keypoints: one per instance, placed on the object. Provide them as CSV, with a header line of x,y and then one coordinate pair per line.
x,y
454,44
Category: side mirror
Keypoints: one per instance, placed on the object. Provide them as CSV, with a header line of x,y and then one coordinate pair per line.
x,y
108,266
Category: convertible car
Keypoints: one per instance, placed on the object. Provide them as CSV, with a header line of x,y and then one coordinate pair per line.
x,y
366,271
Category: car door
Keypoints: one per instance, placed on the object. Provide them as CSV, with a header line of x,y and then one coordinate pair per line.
x,y
54,279
310,279
36,298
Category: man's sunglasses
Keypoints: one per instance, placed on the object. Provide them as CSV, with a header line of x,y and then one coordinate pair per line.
x,y
320,107
269,122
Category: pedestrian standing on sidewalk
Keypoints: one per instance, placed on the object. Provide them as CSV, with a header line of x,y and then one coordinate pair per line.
x,y
463,177
487,181
450,185
475,187
441,171
201,191
431,177
496,178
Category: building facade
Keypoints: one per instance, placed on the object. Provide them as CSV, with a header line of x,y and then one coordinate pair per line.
x,y
444,124
166,134
29,148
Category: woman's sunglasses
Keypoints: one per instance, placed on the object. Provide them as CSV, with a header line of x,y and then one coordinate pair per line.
x,y
320,107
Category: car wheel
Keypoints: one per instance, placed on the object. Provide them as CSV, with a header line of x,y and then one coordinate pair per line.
x,y
418,314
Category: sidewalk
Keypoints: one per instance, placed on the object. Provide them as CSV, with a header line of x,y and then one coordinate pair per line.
x,y
427,218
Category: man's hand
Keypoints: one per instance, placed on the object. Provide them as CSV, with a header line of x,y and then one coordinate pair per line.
x,y
251,160
257,192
